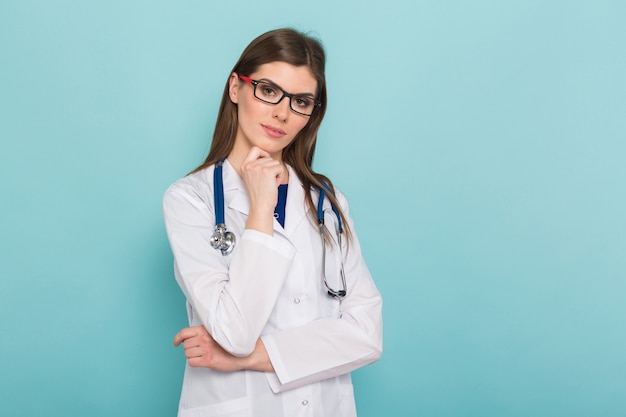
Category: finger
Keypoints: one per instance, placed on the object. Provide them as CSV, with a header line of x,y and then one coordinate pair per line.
x,y
254,154
194,352
282,174
257,172
192,342
184,334
264,164
196,362
256,165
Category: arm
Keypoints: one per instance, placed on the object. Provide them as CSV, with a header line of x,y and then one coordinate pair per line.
x,y
202,350
330,347
319,350
233,300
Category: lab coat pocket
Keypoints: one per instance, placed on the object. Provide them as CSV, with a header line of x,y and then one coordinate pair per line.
x,y
238,407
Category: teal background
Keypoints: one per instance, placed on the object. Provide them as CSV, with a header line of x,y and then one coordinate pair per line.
x,y
481,145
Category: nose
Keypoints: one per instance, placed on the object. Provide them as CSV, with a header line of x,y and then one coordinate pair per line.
x,y
282,109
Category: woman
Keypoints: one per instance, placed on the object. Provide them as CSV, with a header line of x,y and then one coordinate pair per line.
x,y
276,329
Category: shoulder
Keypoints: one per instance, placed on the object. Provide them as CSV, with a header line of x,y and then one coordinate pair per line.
x,y
195,188
342,200
339,195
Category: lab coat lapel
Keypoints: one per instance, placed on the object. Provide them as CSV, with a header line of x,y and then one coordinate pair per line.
x,y
235,192
295,207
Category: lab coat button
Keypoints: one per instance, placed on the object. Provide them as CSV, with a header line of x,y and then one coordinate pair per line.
x,y
304,402
296,300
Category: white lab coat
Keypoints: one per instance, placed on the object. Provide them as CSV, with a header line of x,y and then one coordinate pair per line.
x,y
270,287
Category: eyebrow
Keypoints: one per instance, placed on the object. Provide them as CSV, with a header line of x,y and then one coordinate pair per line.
x,y
268,81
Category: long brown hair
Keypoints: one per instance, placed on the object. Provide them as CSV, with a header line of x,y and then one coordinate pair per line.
x,y
297,49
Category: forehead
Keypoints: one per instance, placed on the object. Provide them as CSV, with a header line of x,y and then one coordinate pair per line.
x,y
291,78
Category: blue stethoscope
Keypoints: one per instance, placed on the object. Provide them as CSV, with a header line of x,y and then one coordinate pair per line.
x,y
224,240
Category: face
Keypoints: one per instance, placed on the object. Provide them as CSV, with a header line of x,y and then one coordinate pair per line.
x,y
271,127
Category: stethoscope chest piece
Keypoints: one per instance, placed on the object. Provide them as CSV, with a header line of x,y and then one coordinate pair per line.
x,y
223,240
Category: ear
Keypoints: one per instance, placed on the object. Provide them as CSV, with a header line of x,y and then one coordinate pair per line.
x,y
233,87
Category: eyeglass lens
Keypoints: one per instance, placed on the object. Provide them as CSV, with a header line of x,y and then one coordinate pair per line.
x,y
273,94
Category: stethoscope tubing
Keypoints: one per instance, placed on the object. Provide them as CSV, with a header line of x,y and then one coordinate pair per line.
x,y
224,240
320,208
218,194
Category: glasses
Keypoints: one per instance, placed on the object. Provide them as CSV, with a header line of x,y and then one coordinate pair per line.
x,y
273,94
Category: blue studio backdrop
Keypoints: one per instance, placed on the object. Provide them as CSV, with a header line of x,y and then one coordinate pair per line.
x,y
482,146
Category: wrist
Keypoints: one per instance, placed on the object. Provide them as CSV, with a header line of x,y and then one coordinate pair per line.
x,y
261,220
259,359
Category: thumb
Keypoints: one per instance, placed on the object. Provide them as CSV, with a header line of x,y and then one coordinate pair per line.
x,y
183,335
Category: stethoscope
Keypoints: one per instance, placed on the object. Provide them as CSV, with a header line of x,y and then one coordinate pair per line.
x,y
224,240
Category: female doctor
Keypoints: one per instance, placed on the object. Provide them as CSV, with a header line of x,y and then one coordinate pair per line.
x,y
281,307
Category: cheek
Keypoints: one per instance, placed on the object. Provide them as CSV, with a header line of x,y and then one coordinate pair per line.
x,y
300,124
246,110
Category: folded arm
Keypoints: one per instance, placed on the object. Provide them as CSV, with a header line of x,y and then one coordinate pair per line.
x,y
233,301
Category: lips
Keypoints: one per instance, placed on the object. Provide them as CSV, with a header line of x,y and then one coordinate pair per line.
x,y
273,132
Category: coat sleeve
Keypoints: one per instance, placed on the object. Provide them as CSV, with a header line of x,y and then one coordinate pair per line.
x,y
332,346
233,299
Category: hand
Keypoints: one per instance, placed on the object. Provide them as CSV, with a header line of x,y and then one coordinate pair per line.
x,y
262,174
202,350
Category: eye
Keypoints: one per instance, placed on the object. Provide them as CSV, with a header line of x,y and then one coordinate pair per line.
x,y
303,102
268,90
